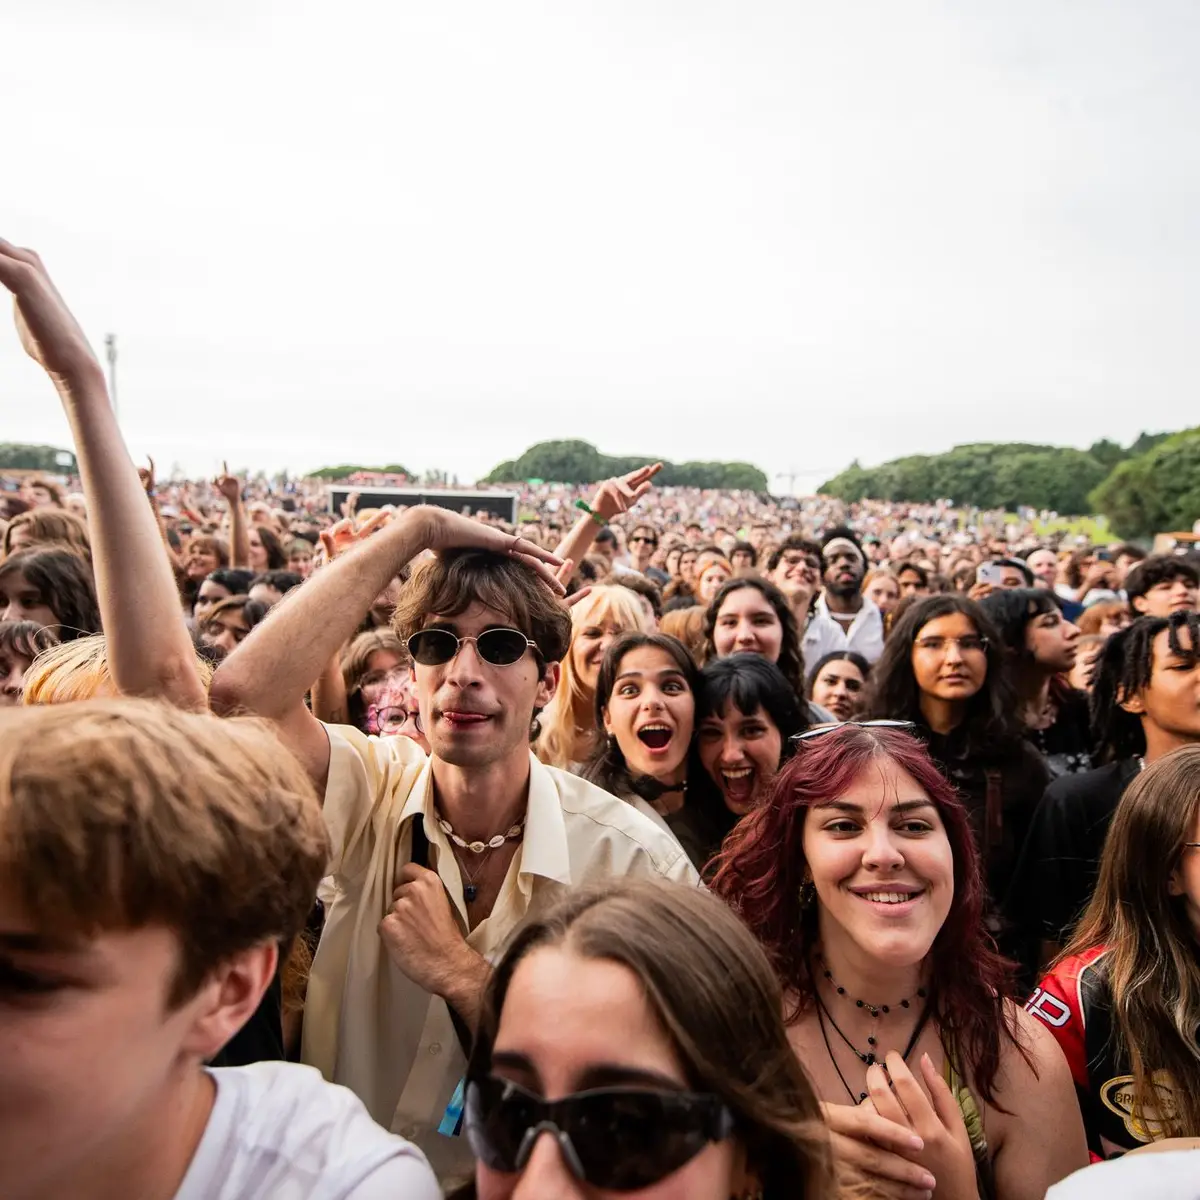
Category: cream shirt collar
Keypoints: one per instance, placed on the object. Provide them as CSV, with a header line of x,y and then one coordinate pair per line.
x,y
544,851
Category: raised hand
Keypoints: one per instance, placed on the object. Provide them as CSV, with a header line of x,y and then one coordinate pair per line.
x,y
228,485
617,496
337,539
50,334
146,477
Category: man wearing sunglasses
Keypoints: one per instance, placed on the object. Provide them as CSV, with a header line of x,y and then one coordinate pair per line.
x,y
436,861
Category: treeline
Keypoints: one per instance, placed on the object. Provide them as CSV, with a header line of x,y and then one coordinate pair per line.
x,y
580,462
17,456
1144,488
347,469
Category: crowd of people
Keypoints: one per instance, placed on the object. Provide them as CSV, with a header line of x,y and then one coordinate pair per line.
x,y
668,843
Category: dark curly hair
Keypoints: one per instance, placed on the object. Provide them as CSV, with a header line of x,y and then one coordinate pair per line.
x,y
64,584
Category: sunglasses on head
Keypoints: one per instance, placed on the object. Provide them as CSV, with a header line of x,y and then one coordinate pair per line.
x,y
616,1139
500,647
818,730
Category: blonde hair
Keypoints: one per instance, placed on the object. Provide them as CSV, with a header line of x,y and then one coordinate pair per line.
x,y
122,814
569,723
79,670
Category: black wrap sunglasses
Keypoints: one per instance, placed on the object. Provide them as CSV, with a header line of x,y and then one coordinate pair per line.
x,y
618,1139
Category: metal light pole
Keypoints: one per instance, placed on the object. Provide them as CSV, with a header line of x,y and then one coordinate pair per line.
x,y
110,345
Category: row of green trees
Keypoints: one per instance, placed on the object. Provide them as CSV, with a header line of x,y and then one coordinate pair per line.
x,y
575,461
347,469
19,456
1147,487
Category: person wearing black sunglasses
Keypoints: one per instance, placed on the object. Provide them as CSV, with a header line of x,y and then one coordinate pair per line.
x,y
436,860
666,1069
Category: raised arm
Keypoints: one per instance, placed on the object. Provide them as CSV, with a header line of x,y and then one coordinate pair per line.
x,y
239,532
149,650
614,496
269,673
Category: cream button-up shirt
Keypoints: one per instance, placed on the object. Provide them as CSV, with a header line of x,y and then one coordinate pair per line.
x,y
366,1024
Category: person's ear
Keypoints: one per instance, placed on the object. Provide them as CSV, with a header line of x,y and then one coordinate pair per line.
x,y
1138,604
1175,884
228,998
607,721
548,684
1131,702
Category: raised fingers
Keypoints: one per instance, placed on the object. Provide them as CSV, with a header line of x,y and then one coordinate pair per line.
x,y
912,1095
543,571
882,1096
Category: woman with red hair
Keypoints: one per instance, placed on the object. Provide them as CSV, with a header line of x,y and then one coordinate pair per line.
x,y
861,879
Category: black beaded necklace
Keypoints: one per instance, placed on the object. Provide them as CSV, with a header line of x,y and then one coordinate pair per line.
x,y
870,1056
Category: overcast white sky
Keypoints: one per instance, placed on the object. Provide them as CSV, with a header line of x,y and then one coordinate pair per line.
x,y
788,232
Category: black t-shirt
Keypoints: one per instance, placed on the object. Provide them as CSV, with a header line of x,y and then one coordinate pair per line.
x,y
1067,744
1021,776
1057,871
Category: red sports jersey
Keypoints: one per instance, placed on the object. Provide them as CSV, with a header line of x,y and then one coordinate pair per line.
x,y
1075,1002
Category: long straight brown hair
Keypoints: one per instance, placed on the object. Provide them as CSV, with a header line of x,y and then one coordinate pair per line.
x,y
712,988
1153,963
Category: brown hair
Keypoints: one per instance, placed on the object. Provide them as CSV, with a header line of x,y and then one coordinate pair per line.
x,y
209,543
687,625
119,814
1095,616
1151,966
358,653
712,989
79,670
39,481
454,580
50,525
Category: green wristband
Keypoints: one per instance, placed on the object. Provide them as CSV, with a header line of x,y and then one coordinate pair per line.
x,y
584,506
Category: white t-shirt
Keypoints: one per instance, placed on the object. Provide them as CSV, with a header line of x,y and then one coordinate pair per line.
x,y
278,1129
1170,1175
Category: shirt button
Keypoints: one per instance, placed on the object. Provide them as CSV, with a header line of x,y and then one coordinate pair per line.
x,y
435,1048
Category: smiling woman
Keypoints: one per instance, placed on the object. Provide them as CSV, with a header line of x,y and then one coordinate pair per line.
x,y
861,879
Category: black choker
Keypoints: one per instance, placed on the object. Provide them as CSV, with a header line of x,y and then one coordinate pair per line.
x,y
650,789
873,1009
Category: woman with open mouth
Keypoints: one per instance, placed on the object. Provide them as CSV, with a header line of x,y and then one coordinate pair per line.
x,y
860,877
746,716
646,706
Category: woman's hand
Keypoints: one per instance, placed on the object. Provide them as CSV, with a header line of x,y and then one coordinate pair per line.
x,y
146,478
870,1148
927,1106
617,496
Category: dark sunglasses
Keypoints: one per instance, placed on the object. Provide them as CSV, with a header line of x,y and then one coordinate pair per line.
x,y
818,730
640,538
500,647
616,1139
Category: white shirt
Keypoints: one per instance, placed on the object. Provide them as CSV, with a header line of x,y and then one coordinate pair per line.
x,y
824,634
366,1024
278,1129
1164,1175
